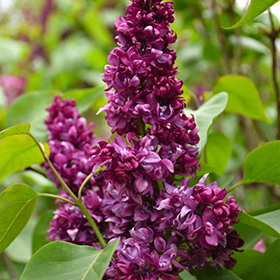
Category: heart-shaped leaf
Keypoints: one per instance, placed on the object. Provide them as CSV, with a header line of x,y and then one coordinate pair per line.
x,y
16,206
262,164
243,96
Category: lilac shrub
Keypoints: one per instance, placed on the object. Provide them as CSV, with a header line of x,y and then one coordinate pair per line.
x,y
133,195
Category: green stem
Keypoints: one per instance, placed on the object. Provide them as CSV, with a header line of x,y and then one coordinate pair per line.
x,y
83,185
41,147
56,197
273,36
91,222
36,171
78,202
235,186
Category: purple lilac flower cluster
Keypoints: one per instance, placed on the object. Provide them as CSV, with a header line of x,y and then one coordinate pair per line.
x,y
146,91
126,201
71,143
163,228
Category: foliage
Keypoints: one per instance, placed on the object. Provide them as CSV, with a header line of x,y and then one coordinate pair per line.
x,y
230,87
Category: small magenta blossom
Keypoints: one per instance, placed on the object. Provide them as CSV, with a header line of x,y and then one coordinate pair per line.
x,y
12,86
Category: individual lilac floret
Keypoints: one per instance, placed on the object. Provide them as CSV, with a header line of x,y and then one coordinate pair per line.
x,y
71,143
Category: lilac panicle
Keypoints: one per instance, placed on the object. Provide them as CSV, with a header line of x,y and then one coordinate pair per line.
x,y
163,228
142,87
141,69
71,143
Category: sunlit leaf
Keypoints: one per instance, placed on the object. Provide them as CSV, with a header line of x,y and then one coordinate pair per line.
x,y
23,128
62,260
17,152
206,113
16,206
256,8
243,96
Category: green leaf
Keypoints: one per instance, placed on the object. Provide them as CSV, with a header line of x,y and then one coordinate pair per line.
x,y
247,262
40,232
268,223
17,152
269,267
31,108
206,113
262,164
62,260
256,8
85,97
23,128
243,96
218,151
16,206
249,234
211,273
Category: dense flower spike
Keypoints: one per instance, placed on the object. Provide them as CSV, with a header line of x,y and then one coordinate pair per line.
x,y
71,143
141,70
142,74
